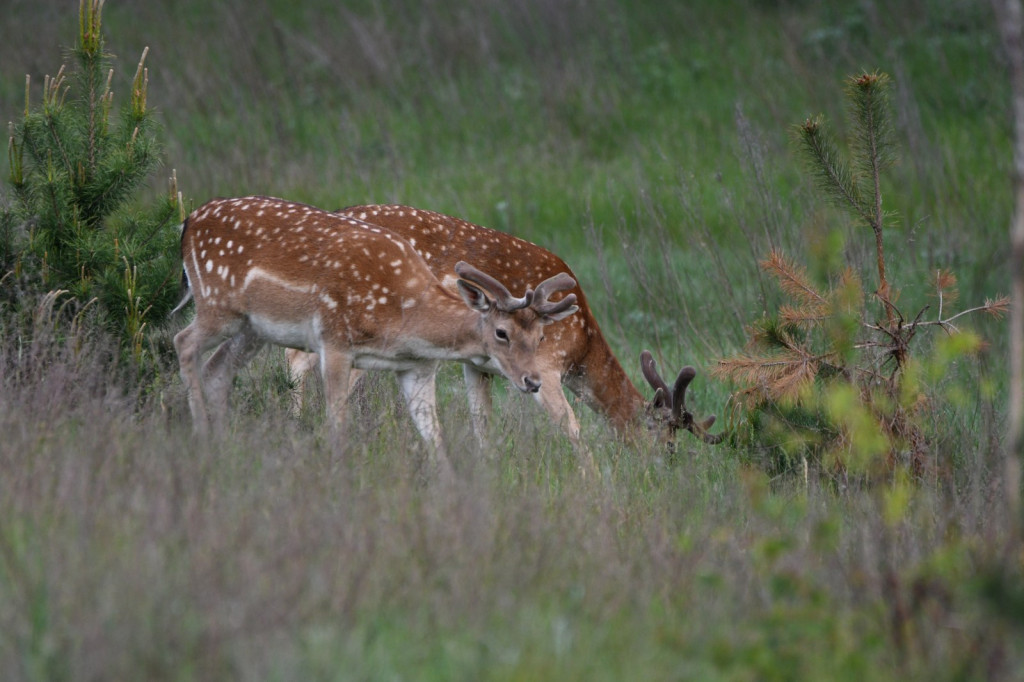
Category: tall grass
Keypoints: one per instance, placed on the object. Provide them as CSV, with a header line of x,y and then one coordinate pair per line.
x,y
649,145
127,550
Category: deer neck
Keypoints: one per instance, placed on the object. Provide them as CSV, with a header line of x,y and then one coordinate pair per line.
x,y
607,389
455,334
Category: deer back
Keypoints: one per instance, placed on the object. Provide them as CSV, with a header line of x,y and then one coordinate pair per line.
x,y
296,271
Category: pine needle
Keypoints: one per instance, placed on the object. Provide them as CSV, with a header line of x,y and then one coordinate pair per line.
x,y
805,316
783,377
793,279
874,149
946,285
998,307
832,174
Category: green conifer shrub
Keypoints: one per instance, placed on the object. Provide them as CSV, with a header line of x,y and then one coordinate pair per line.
x,y
836,370
73,220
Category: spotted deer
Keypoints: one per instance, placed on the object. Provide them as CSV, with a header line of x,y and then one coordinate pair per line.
x,y
360,297
575,353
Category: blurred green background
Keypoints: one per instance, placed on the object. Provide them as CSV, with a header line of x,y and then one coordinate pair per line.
x,y
646,143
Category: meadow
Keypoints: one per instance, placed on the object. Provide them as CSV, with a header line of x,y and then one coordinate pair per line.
x,y
649,144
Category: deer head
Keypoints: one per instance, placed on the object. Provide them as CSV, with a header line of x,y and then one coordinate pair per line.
x,y
500,311
668,407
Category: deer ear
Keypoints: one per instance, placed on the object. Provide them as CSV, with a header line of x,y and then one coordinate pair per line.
x,y
660,398
474,296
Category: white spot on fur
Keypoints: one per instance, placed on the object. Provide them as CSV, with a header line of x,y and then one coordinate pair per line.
x,y
331,303
259,273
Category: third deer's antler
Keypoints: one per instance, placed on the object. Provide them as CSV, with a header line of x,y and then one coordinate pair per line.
x,y
675,400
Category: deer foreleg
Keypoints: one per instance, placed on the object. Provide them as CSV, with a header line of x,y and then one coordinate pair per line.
x,y
300,373
478,392
336,369
419,387
552,399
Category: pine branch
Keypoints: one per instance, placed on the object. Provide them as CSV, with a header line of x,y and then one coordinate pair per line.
x,y
778,376
832,175
997,308
873,146
873,152
771,333
793,279
945,288
771,378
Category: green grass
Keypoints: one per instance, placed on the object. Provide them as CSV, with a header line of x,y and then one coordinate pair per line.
x,y
130,550
650,145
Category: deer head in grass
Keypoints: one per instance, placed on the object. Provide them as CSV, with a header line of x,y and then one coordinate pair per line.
x,y
667,409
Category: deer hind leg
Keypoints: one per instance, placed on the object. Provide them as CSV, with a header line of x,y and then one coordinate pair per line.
x,y
419,387
191,343
552,399
220,370
478,392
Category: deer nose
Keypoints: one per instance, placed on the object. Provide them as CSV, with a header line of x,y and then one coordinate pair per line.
x,y
532,385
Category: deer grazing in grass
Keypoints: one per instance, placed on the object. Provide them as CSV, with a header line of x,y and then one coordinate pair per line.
x,y
575,353
360,297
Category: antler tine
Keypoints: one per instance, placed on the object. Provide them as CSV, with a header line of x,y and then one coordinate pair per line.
x,y
503,298
563,281
683,416
686,375
701,431
560,282
548,308
650,371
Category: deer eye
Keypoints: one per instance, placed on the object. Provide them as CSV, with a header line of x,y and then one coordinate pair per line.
x,y
501,335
